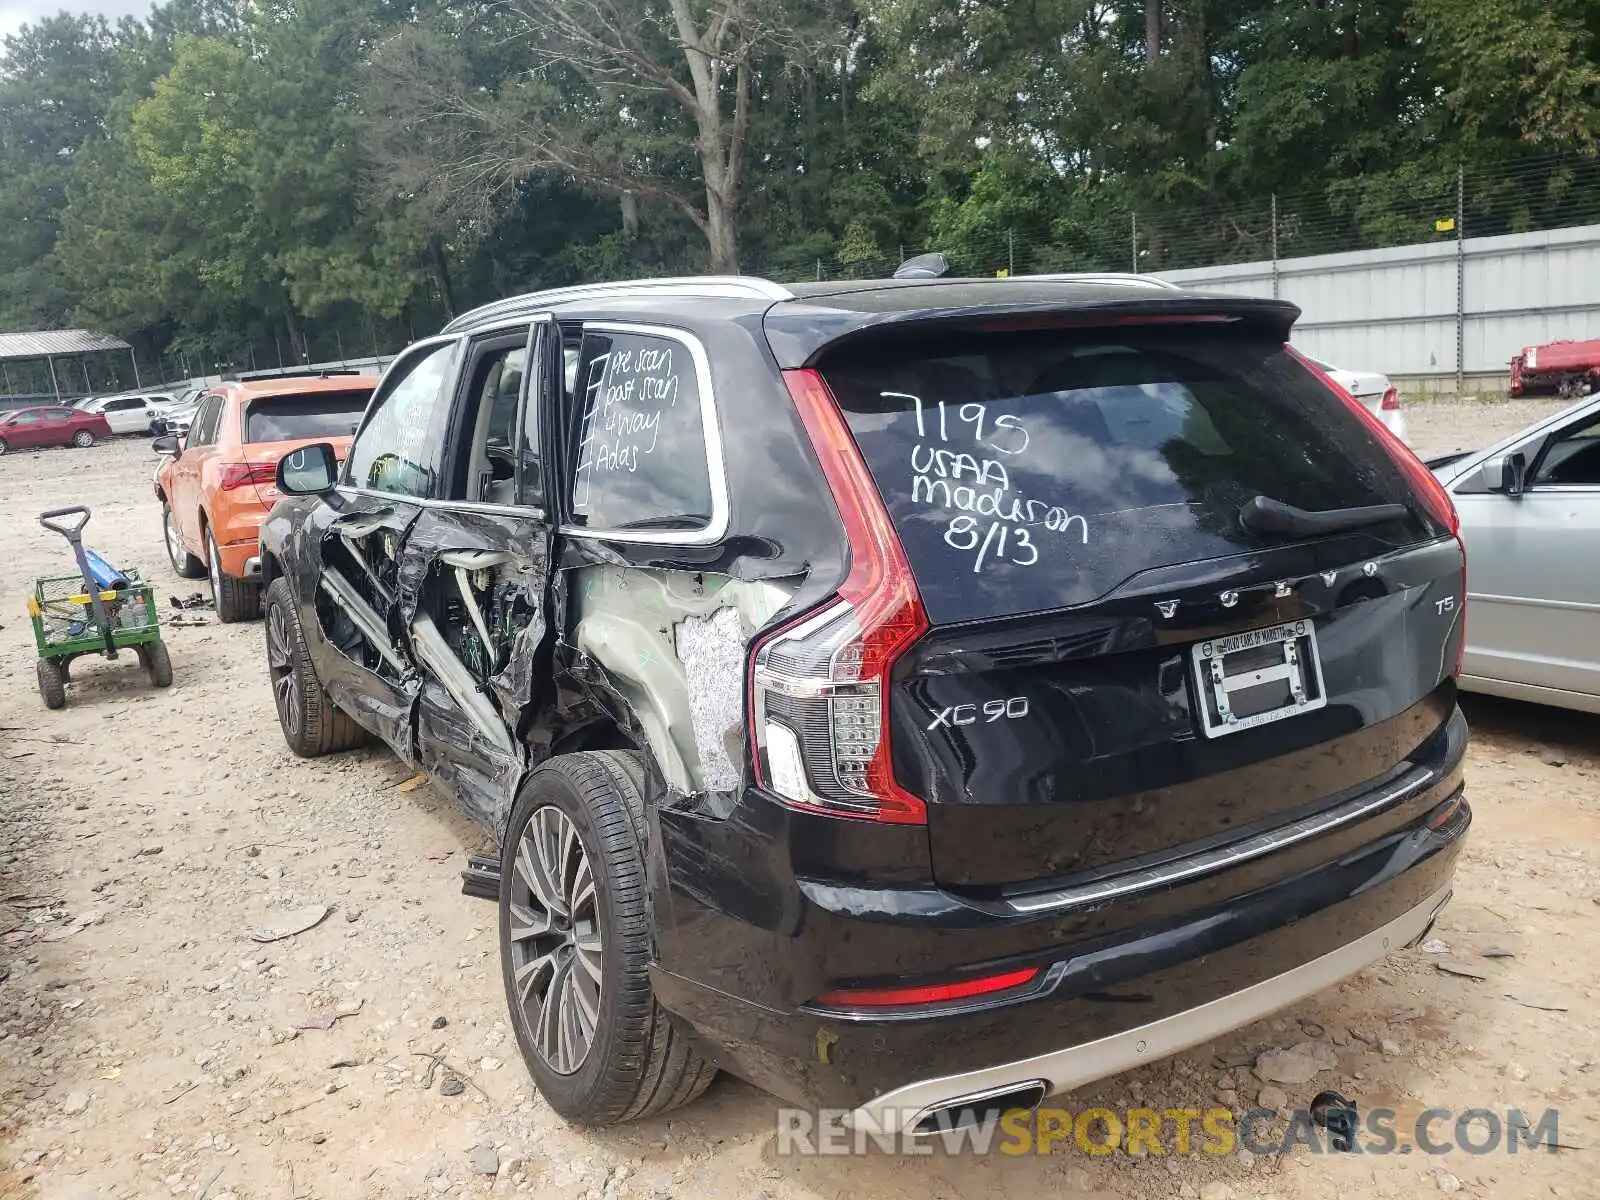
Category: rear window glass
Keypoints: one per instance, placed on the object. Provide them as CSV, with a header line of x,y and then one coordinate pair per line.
x,y
642,462
314,415
1036,470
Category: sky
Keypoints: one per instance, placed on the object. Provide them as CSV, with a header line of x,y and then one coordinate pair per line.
x,y
14,14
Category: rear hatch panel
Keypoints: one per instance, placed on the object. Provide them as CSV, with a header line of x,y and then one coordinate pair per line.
x,y
1069,503
1108,763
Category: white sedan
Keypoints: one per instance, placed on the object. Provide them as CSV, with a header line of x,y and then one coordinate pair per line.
x,y
1376,393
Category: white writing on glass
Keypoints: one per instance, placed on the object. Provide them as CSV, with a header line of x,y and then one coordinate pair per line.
x,y
977,485
628,390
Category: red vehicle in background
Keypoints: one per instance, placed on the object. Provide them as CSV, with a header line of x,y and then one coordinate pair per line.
x,y
1569,369
30,427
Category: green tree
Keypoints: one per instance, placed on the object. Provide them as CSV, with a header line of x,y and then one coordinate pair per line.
x,y
645,100
56,80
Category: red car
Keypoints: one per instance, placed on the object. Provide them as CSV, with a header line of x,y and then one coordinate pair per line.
x,y
50,427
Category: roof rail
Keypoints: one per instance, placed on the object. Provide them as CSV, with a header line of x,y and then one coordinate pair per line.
x,y
1107,277
268,374
703,286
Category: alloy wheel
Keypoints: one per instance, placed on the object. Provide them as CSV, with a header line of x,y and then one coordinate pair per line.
x,y
555,940
280,666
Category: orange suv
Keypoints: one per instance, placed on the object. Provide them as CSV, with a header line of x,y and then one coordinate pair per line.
x,y
217,483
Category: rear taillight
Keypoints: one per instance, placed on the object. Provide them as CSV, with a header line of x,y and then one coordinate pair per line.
x,y
1423,482
1390,401
819,686
238,475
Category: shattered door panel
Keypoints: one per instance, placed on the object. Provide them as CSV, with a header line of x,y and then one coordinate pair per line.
x,y
356,606
358,590
471,595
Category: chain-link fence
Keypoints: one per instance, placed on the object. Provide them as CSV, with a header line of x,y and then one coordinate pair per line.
x,y
1426,203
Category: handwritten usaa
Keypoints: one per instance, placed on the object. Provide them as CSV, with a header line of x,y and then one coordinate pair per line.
x,y
629,389
977,486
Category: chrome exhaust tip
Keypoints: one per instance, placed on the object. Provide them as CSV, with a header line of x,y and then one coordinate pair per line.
x,y
978,1108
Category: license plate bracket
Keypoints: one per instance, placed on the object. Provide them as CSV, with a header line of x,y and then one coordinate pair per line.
x,y
1258,676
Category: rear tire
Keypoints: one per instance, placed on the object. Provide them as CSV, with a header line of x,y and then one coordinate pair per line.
x,y
52,683
157,663
236,599
573,904
185,564
3,446
311,725
83,439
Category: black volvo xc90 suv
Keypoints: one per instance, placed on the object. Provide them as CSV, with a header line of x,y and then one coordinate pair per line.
x,y
917,697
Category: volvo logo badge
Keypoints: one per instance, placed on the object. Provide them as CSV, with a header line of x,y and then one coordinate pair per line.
x,y
1167,608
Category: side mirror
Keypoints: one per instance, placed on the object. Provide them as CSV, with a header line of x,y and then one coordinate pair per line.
x,y
167,444
308,471
1514,473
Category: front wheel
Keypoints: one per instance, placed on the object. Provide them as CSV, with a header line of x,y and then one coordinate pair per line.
x,y
83,439
3,446
310,723
575,946
236,599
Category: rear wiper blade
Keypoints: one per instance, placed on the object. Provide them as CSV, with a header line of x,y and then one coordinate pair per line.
x,y
1266,515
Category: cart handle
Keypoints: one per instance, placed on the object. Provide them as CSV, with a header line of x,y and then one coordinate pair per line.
x,y
70,532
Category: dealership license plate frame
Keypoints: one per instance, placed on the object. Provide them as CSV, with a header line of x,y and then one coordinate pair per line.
x,y
1301,670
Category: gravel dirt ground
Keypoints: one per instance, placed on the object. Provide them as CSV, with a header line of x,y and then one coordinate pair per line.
x,y
149,1047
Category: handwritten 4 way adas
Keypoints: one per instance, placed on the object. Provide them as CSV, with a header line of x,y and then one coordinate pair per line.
x,y
978,487
634,387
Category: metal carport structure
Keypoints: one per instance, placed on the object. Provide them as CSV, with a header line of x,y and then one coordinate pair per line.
x,y
49,346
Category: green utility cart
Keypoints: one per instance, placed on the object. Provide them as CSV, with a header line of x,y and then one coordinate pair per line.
x,y
100,610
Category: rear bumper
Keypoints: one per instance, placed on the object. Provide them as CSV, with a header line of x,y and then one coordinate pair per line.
x,y
238,542
1122,982
1064,1069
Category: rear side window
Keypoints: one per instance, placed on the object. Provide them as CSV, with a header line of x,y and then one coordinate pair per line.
x,y
313,415
203,431
1037,470
642,458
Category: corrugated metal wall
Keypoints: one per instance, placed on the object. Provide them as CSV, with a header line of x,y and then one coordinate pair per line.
x,y
1395,310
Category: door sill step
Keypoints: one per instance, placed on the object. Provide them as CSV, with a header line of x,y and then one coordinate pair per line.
x,y
481,878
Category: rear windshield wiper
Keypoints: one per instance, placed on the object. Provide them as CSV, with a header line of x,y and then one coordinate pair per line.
x,y
1266,515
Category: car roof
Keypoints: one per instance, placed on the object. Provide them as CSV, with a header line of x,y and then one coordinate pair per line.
x,y
294,385
809,316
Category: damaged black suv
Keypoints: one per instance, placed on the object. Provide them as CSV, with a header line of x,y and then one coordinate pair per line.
x,y
915,697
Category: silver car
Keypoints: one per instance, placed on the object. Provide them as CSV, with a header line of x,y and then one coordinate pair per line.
x,y
1530,518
